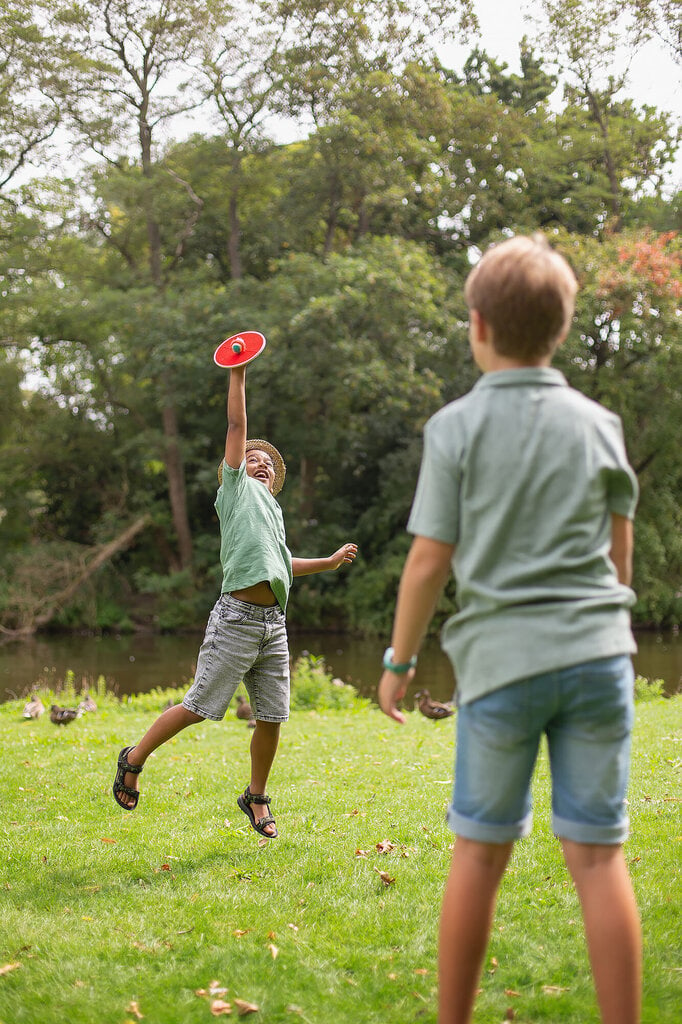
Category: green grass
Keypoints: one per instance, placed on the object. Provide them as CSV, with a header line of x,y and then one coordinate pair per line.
x,y
107,912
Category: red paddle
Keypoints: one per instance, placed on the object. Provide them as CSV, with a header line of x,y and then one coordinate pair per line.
x,y
240,349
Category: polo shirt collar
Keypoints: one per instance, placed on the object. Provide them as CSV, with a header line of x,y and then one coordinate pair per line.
x,y
523,375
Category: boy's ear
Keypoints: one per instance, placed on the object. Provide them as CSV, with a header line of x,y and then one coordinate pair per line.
x,y
480,328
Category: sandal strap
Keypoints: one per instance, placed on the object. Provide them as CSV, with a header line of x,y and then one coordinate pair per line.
x,y
127,790
125,765
255,798
267,820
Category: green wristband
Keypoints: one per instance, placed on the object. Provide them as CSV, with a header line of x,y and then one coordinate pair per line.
x,y
400,669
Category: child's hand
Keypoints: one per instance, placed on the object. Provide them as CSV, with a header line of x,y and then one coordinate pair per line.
x,y
392,688
345,554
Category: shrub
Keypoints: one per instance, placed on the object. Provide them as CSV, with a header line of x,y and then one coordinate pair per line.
x,y
313,688
648,689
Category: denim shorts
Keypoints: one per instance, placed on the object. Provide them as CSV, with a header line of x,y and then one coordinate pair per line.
x,y
243,642
586,712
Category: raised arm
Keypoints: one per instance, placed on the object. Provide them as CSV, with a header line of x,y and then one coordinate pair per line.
x,y
308,566
235,440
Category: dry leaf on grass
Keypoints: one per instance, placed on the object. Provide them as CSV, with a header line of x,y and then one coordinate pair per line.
x,y
238,932
135,1010
385,877
219,1008
6,968
104,840
511,992
421,970
553,990
274,952
361,853
385,846
243,1007
263,841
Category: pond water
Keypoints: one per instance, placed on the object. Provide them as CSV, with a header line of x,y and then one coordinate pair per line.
x,y
140,662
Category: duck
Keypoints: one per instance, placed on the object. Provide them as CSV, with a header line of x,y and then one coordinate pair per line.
x,y
62,716
87,704
245,711
34,707
432,708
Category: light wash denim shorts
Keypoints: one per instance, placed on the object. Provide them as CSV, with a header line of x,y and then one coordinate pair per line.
x,y
586,712
242,642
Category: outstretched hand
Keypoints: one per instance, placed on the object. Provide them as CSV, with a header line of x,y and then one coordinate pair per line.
x,y
345,554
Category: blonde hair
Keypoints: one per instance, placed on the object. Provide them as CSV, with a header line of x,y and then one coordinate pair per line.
x,y
525,291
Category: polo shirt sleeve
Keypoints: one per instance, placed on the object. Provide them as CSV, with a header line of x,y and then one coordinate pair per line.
x,y
435,509
622,487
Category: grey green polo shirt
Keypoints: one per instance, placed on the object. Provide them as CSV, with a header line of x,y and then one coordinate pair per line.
x,y
522,475
252,539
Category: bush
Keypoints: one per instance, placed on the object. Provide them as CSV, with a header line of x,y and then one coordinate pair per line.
x,y
313,688
648,689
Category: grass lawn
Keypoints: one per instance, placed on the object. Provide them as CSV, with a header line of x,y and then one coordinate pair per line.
x,y
109,917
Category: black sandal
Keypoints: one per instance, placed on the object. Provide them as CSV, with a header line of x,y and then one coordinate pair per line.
x,y
244,802
119,787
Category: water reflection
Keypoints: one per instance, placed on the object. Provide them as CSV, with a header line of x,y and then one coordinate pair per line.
x,y
138,663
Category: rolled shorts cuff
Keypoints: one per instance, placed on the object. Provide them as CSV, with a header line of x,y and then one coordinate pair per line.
x,y
597,835
482,832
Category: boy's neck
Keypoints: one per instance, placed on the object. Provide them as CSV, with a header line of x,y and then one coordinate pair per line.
x,y
498,362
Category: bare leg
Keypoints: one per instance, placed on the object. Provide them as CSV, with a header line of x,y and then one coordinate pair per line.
x,y
612,928
466,917
264,744
167,725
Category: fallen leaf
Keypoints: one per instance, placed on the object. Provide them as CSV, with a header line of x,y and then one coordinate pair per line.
x,y
263,841
361,853
216,988
9,967
185,931
274,952
238,932
200,992
272,935
294,927
385,877
392,976
510,1014
219,1008
165,867
102,840
385,846
553,990
243,1007
511,992
135,1009
421,970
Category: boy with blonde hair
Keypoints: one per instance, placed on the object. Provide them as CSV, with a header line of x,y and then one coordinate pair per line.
x,y
525,491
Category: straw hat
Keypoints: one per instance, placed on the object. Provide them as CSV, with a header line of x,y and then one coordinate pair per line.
x,y
278,462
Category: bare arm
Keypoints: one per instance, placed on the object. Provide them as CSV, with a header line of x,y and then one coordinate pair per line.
x,y
622,544
235,441
426,570
308,566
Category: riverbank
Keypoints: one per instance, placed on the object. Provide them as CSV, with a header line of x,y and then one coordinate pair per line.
x,y
137,664
115,917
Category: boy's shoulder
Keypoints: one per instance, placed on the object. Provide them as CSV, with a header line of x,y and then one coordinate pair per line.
x,y
488,391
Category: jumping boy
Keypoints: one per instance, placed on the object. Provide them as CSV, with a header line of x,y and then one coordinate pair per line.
x,y
246,635
525,490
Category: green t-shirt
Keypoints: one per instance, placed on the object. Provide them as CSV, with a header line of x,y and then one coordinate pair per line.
x,y
522,475
252,539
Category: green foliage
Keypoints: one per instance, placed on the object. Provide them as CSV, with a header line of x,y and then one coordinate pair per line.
x,y
348,247
648,689
314,689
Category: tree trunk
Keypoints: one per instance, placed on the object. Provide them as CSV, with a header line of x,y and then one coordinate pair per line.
x,y
176,484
